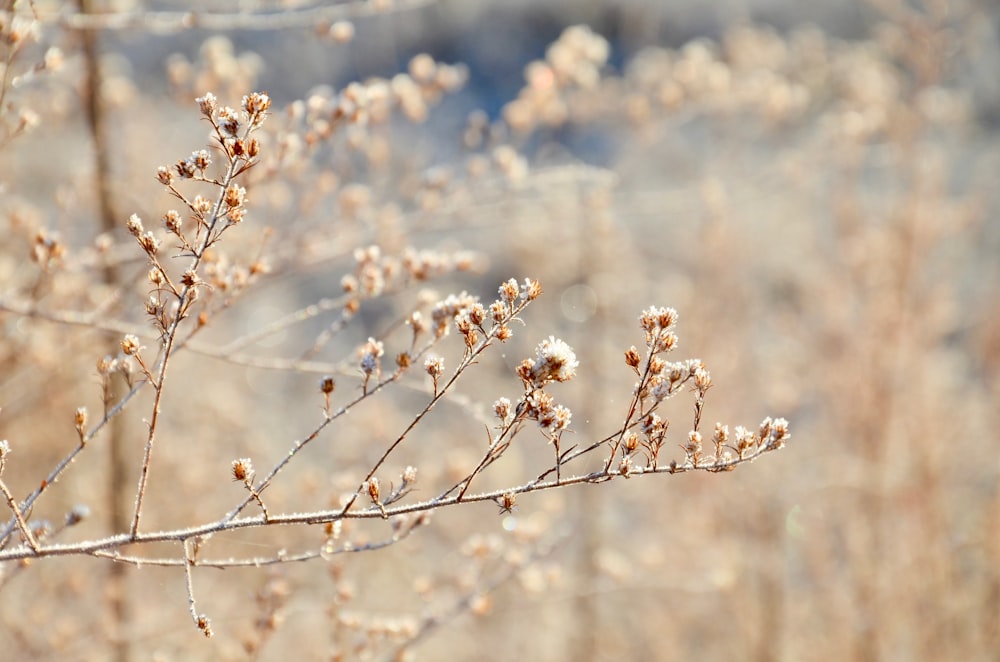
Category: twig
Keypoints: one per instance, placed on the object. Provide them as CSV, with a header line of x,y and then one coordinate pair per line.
x,y
92,547
29,537
200,620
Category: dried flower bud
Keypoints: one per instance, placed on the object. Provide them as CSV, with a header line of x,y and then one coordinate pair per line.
x,y
185,168
243,470
130,345
625,467
164,175
554,361
531,289
235,215
205,625
632,358
694,443
207,104
507,501
134,225
498,311
502,409
434,365
370,355
327,385
256,103
201,159
477,314
172,221
765,428
4,449
235,195
702,380
655,319
80,419
229,121
154,306
509,291
554,419
201,204
149,243
190,278
155,276
666,341
374,490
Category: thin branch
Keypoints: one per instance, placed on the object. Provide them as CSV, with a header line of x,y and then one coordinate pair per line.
x,y
92,547
470,357
65,463
29,537
200,620
170,335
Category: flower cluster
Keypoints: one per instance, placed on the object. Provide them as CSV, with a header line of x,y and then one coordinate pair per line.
x,y
554,361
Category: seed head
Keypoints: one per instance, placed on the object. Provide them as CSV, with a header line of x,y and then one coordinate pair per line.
x,y
130,345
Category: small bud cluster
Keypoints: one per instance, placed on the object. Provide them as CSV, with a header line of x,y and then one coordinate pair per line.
x,y
448,310
554,361
234,132
658,325
666,379
192,167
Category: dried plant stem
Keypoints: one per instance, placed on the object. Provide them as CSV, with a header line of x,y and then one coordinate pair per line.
x,y
299,445
64,464
29,537
93,547
200,620
254,561
629,417
232,170
469,358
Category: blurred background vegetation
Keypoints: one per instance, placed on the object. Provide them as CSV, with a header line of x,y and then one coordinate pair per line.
x,y
814,186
